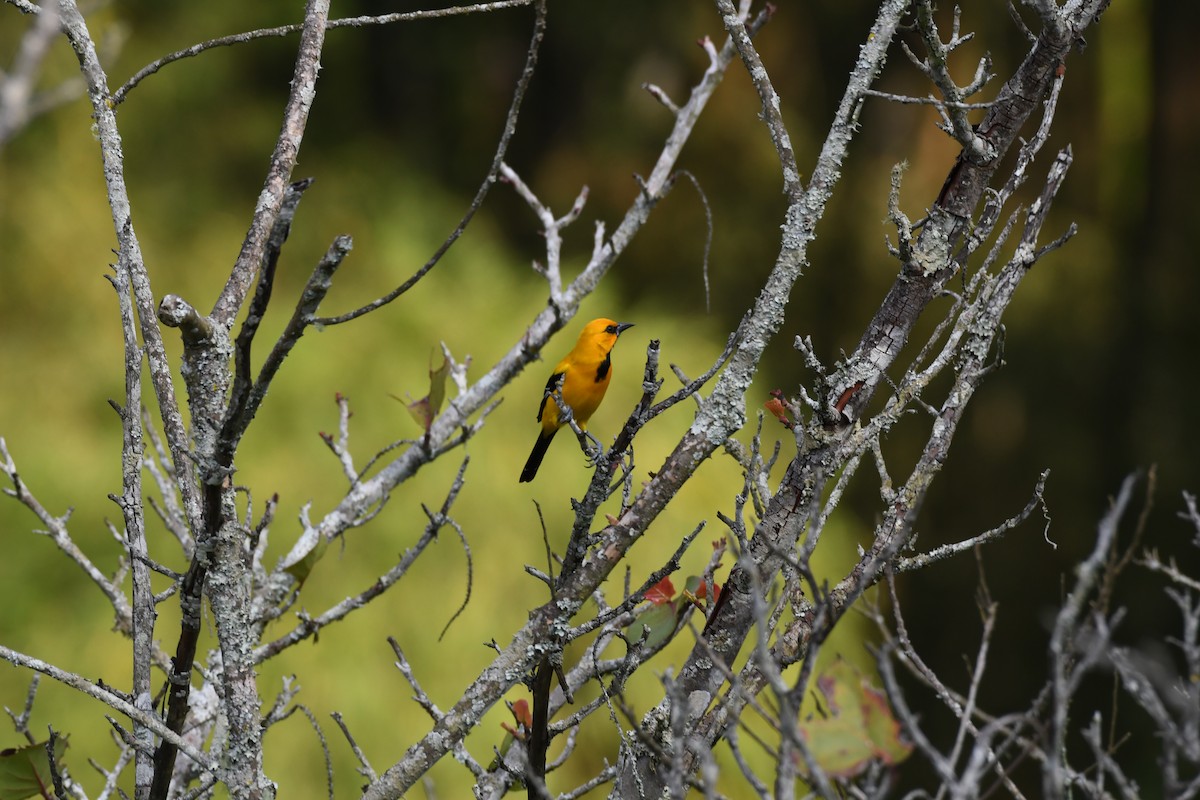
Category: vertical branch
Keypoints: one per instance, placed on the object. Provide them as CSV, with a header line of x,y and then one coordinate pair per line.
x,y
133,509
229,591
283,161
1062,641
950,219
131,266
242,380
179,681
724,411
130,255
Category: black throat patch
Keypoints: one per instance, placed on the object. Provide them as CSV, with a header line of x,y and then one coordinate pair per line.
x,y
602,370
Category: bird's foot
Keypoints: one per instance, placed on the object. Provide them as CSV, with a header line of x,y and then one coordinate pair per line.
x,y
592,449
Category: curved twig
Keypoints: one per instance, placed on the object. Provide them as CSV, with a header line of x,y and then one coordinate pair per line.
x,y
284,30
510,129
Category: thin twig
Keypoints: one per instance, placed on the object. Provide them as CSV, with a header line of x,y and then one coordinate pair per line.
x,y
110,698
509,130
285,30
310,626
364,766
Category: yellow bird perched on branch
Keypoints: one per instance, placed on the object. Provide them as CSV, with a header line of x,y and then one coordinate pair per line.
x,y
582,378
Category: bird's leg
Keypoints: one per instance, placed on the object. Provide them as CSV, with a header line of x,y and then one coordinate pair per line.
x,y
591,446
594,451
566,416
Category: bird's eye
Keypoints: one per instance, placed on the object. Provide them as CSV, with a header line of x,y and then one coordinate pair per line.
x,y
611,329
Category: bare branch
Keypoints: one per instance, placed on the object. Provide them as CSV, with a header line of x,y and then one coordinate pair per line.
x,y
908,563
364,767
285,30
130,256
310,626
1066,625
735,24
551,229
510,129
56,530
936,67
132,504
109,698
283,161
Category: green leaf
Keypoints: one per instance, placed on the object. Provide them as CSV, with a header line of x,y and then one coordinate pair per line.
x,y
25,771
660,619
425,410
437,384
303,562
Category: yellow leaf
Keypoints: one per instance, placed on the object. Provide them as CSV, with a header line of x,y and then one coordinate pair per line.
x,y
857,728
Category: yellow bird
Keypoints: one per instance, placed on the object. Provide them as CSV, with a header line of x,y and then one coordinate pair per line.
x,y
584,374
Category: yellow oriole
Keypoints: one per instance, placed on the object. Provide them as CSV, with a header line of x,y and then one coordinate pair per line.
x,y
584,376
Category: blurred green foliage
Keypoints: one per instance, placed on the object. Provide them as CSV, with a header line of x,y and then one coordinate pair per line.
x,y
1100,366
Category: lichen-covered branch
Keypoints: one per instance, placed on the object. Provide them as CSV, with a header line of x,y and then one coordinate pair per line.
x,y
129,255
283,161
952,214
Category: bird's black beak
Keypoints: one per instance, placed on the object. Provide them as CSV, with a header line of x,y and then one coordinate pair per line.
x,y
623,326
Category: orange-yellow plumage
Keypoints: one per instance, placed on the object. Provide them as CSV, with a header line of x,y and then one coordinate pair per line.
x,y
584,374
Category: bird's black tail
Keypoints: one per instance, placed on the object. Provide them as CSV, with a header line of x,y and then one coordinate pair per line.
x,y
535,458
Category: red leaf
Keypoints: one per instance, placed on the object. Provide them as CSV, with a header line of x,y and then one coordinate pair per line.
x,y
661,592
522,714
778,411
